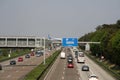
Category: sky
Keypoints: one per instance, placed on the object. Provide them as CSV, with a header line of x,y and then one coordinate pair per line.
x,y
58,18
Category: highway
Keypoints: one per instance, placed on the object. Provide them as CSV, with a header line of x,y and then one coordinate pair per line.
x,y
18,71
59,70
94,69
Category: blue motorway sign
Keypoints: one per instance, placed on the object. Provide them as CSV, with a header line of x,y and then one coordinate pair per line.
x,y
69,42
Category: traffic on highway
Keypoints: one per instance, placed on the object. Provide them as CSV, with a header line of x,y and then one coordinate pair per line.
x,y
71,64
59,39
68,68
17,68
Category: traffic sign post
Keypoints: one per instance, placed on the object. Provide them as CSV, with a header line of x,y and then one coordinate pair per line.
x,y
69,42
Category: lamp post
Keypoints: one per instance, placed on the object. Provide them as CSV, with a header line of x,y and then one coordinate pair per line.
x,y
44,49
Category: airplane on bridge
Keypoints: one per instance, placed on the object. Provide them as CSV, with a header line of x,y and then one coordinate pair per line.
x,y
52,39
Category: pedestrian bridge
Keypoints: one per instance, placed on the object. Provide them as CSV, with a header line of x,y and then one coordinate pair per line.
x,y
26,41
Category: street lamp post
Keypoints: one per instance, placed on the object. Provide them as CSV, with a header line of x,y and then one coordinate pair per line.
x,y
44,50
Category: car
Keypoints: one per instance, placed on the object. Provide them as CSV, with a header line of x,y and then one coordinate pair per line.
x,y
76,54
0,67
93,77
27,56
39,53
69,58
20,59
85,68
32,54
70,65
12,62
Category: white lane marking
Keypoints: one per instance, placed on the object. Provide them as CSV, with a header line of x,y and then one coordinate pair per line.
x,y
62,77
52,68
10,67
63,72
6,64
91,71
8,76
17,71
23,67
64,68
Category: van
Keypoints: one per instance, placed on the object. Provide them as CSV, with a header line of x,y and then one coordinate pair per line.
x,y
62,55
80,57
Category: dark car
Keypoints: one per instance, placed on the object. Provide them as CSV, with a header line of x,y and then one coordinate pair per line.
x,y
85,68
70,61
70,58
27,56
0,67
76,54
12,62
39,53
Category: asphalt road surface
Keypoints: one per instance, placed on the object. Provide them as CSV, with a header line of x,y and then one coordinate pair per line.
x,y
59,70
18,71
94,69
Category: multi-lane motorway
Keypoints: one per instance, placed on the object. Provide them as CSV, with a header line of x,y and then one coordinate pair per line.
x,y
18,71
59,70
94,69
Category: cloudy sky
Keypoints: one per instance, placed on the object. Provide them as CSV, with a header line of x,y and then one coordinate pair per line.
x,y
59,18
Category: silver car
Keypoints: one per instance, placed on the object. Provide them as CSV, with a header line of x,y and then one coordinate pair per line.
x,y
85,68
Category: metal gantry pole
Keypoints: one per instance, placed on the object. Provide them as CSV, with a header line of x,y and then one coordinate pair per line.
x,y
44,50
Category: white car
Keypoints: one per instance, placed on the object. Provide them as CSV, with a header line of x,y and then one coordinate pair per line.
x,y
93,77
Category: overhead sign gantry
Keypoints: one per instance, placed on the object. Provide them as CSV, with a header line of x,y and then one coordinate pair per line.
x,y
69,42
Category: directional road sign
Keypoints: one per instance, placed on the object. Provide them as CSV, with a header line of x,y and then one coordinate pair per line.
x,y
69,42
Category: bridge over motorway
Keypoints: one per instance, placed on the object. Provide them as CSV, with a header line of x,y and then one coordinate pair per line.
x,y
32,42
87,44
17,41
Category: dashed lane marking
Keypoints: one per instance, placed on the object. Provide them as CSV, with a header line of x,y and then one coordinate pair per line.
x,y
62,77
23,67
17,71
79,78
63,72
8,76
